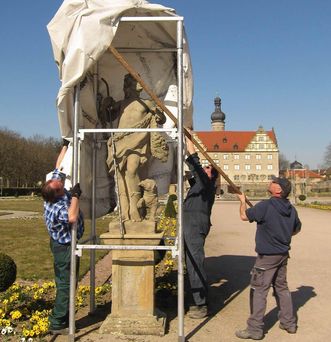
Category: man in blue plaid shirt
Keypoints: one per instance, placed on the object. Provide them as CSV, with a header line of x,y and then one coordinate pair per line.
x,y
61,210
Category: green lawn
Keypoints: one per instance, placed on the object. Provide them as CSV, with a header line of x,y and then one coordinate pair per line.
x,y
27,241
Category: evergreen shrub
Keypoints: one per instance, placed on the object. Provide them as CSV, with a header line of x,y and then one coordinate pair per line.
x,y
7,272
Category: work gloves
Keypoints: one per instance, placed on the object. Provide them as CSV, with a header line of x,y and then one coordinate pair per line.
x,y
65,142
76,191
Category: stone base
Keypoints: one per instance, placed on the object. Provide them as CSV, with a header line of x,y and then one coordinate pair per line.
x,y
133,309
130,227
113,237
151,325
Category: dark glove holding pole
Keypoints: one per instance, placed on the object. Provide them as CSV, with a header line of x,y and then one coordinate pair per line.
x,y
65,142
76,191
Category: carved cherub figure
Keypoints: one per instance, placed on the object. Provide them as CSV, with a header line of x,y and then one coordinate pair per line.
x,y
148,202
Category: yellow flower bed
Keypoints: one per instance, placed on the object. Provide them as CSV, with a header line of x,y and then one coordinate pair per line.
x,y
168,264
24,309
315,206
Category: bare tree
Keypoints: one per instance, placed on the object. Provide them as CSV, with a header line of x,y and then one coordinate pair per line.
x,y
327,156
283,162
25,162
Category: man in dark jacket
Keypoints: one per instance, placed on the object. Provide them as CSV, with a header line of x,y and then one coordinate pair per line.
x,y
277,220
196,217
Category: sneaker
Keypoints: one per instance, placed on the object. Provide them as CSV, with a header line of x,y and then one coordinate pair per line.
x,y
198,311
63,331
245,334
290,330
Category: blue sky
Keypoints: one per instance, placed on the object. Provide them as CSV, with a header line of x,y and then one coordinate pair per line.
x,y
269,61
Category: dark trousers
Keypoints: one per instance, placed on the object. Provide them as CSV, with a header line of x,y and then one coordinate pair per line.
x,y
270,270
59,317
196,229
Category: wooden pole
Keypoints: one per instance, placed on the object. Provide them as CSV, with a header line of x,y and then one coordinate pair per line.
x,y
160,104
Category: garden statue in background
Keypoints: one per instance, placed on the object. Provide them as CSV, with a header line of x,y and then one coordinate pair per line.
x,y
128,151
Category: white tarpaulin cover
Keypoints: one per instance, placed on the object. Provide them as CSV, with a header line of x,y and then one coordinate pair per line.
x,y
81,33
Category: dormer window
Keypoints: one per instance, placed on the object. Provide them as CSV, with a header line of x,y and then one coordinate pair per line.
x,y
235,147
225,140
216,147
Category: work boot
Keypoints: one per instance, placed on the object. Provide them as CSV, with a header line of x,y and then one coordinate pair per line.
x,y
198,311
246,334
63,331
290,330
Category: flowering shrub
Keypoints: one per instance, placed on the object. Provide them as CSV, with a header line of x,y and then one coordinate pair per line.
x,y
316,205
24,309
168,225
168,264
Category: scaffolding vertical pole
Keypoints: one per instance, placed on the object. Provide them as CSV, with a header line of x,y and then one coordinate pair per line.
x,y
93,199
73,266
181,336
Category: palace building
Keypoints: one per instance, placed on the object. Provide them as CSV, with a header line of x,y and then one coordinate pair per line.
x,y
249,158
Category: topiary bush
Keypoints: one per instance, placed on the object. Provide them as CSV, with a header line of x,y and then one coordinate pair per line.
x,y
170,210
7,272
302,197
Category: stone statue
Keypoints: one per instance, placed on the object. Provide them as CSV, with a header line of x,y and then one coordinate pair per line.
x,y
148,202
128,151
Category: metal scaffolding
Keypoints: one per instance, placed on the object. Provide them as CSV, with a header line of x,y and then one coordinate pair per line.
x,y
78,137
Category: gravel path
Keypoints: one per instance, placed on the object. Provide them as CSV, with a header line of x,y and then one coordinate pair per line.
x,y
13,214
229,258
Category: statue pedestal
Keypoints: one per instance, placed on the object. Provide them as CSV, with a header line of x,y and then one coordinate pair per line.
x,y
133,308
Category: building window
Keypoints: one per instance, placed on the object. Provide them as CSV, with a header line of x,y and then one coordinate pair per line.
x,y
215,155
235,147
216,161
225,167
269,177
247,156
236,177
225,140
236,167
261,146
236,156
269,167
258,156
258,167
204,162
216,147
247,167
269,156
225,156
261,138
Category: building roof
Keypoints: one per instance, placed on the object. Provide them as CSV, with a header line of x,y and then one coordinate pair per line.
x,y
304,173
217,115
296,165
229,141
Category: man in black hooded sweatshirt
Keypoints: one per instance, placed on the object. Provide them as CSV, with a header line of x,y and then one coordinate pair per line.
x,y
196,218
277,220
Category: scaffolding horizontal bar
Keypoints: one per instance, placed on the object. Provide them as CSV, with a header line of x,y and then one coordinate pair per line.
x,y
174,18
84,242
124,247
123,130
135,50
